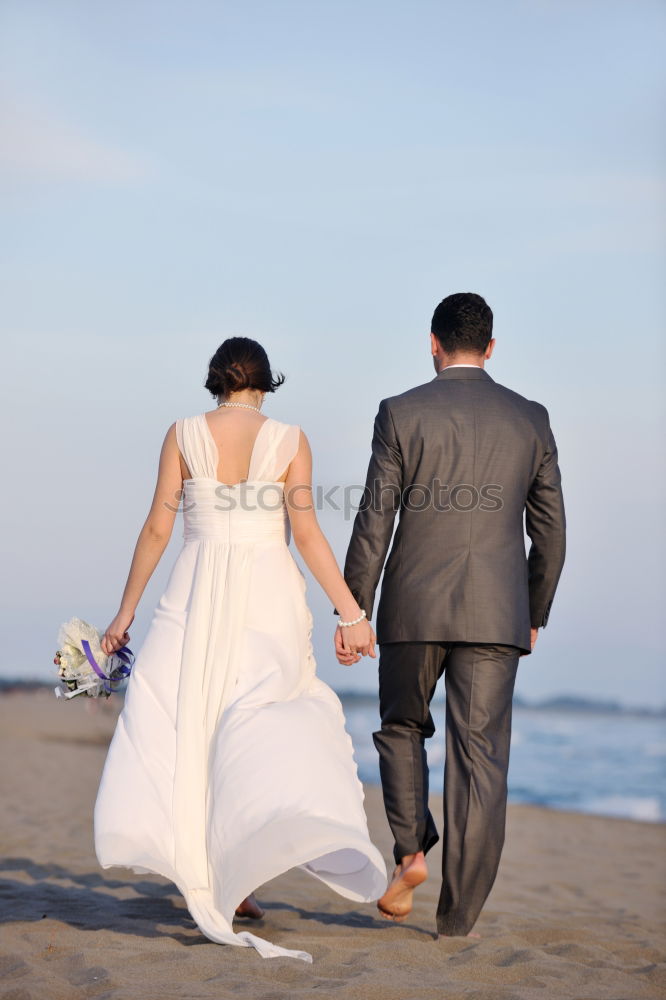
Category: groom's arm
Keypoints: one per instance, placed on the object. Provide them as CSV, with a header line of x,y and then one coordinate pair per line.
x,y
373,524
546,526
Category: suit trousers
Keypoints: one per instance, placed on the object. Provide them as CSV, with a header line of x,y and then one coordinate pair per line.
x,y
479,682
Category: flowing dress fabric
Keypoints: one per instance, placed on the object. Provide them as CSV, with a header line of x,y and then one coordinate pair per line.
x,y
230,763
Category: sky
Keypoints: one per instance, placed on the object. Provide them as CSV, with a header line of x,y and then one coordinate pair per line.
x,y
318,175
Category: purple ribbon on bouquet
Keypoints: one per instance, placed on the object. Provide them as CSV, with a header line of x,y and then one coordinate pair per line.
x,y
124,654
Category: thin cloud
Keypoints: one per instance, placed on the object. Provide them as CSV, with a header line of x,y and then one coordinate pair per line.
x,y
40,144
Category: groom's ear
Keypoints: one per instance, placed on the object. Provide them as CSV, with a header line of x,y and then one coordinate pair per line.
x,y
434,344
489,349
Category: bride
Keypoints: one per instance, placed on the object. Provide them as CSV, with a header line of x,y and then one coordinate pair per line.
x,y
230,763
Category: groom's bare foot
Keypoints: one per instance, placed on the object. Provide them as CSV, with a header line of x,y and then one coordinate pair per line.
x,y
250,908
396,903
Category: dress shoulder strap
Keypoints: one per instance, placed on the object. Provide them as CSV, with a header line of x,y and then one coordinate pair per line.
x,y
274,450
197,446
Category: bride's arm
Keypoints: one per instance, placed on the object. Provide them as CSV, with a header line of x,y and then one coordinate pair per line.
x,y
317,553
153,539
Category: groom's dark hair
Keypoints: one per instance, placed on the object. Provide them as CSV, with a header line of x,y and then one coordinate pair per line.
x,y
463,322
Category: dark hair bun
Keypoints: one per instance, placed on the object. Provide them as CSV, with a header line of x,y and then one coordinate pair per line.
x,y
240,363
230,379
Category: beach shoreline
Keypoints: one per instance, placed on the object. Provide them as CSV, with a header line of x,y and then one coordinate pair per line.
x,y
578,909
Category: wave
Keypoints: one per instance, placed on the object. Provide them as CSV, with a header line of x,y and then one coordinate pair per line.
x,y
645,808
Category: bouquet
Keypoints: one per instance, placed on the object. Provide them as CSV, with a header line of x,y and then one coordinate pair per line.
x,y
83,667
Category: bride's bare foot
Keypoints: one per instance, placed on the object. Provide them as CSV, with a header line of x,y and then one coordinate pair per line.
x,y
396,903
250,908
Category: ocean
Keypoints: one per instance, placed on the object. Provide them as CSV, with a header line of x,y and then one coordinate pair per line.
x,y
608,763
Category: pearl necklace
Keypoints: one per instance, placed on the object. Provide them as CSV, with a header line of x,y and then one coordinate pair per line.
x,y
244,406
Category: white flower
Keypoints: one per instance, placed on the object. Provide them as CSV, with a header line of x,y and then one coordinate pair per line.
x,y
71,634
71,657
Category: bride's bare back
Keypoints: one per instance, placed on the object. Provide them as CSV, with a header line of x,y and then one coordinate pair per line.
x,y
234,432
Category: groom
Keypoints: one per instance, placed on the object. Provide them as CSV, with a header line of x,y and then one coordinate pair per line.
x,y
464,460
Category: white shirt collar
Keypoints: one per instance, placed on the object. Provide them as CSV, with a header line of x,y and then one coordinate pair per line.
x,y
446,367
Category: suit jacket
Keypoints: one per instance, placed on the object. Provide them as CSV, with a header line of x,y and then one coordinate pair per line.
x,y
468,464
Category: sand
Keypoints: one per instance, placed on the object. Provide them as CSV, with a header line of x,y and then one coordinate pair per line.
x,y
577,910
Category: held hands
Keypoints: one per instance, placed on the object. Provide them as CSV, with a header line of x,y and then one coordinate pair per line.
x,y
354,641
116,634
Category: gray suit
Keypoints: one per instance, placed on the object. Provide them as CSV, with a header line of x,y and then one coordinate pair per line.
x,y
466,462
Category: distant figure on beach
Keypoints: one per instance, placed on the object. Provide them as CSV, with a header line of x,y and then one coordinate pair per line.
x,y
466,462
230,763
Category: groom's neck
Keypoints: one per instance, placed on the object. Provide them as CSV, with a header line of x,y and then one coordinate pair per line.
x,y
446,360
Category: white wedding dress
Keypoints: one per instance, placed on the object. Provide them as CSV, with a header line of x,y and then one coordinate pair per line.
x,y
230,763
